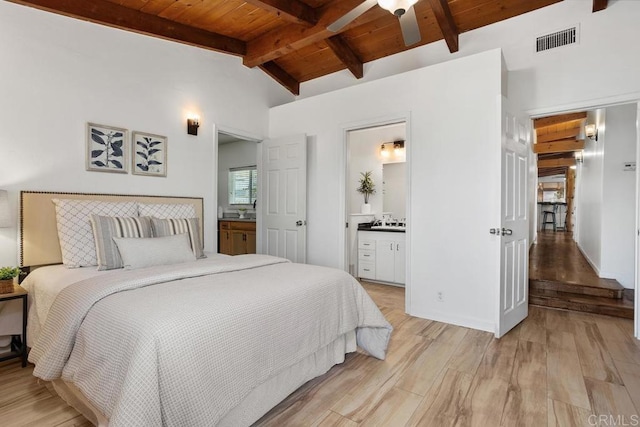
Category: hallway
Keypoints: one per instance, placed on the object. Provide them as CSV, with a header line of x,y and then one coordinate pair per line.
x,y
561,277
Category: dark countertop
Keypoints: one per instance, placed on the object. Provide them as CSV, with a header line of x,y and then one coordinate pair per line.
x,y
367,227
237,219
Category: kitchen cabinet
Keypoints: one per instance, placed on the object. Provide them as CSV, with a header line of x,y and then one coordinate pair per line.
x,y
381,256
237,237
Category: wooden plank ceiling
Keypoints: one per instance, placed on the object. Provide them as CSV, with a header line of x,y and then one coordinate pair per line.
x,y
558,139
288,39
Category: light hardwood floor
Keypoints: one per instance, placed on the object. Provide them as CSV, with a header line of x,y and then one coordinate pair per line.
x,y
557,368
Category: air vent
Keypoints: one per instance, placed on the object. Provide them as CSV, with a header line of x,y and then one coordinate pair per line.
x,y
557,39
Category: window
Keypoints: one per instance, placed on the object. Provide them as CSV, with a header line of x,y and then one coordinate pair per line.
x,y
243,184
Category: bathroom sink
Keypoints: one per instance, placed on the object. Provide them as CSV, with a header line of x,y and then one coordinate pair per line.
x,y
389,227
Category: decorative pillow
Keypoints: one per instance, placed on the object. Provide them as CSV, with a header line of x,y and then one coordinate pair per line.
x,y
167,210
171,226
74,227
107,227
140,253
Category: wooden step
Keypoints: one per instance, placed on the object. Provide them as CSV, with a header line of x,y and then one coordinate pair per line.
x,y
605,288
580,302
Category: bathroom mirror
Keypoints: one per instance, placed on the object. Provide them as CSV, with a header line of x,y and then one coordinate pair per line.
x,y
394,199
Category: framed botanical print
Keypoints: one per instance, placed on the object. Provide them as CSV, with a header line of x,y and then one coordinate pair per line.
x,y
106,149
149,154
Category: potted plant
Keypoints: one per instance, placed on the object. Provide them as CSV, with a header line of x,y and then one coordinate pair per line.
x,y
7,274
366,187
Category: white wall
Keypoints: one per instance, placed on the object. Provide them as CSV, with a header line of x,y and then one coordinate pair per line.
x,y
233,155
364,155
606,200
602,66
619,194
589,202
453,137
59,73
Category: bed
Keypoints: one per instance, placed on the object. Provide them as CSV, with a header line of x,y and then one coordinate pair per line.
x,y
212,341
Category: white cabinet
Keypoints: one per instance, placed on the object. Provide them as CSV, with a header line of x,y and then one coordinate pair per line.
x,y
381,256
366,258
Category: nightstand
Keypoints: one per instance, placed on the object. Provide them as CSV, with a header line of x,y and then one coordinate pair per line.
x,y
18,292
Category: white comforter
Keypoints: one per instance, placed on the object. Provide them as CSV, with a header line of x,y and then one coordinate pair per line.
x,y
183,345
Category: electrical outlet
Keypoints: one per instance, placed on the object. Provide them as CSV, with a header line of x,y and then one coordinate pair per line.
x,y
440,297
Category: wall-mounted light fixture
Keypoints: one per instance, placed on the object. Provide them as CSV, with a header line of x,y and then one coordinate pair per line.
x,y
383,151
591,131
5,212
193,123
398,148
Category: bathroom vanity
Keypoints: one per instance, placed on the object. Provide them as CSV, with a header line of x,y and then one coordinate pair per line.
x,y
381,255
237,236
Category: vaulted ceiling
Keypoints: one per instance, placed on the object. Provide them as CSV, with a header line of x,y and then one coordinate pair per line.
x,y
289,39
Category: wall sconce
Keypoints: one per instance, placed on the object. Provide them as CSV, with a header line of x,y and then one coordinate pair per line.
x,y
5,212
591,131
398,148
383,151
193,123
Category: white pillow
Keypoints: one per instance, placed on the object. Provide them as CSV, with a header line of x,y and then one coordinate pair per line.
x,y
167,210
147,252
74,227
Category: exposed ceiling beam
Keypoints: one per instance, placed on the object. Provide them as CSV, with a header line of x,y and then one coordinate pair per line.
x,y
561,146
290,10
281,41
552,171
555,136
114,15
344,53
554,120
281,76
556,163
446,23
599,5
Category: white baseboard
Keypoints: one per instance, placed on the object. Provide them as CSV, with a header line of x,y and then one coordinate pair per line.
x,y
589,260
467,322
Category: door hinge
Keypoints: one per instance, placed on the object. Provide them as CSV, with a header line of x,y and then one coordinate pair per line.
x,y
346,225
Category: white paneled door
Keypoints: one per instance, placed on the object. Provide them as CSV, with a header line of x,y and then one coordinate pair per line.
x,y
514,231
284,197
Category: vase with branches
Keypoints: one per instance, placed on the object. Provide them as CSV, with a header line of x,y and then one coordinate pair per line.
x,y
366,187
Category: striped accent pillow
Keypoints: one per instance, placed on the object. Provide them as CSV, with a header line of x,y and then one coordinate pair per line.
x,y
105,228
173,226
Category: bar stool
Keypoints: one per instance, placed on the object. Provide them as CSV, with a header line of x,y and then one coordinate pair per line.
x,y
546,215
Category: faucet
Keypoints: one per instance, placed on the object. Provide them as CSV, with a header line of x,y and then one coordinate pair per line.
x,y
254,203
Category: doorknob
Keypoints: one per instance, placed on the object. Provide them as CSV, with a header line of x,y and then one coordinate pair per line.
x,y
300,223
507,232
495,231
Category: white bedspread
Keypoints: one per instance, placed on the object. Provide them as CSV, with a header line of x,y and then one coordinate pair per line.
x,y
44,284
183,345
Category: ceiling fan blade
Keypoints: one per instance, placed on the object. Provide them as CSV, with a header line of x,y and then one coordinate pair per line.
x,y
409,26
351,15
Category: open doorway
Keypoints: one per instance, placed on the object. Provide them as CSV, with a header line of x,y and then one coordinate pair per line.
x,y
376,219
584,258
237,189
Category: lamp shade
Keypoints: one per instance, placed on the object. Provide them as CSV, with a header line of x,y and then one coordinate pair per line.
x,y
5,213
